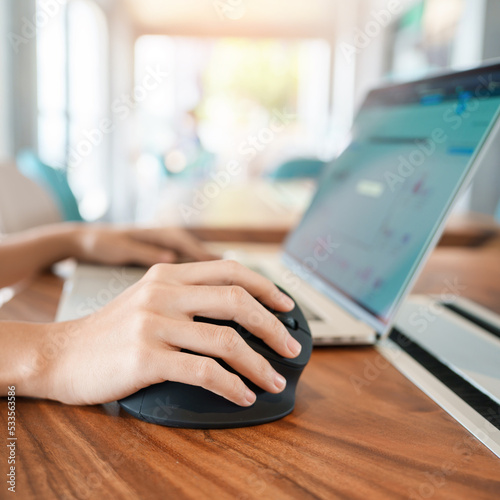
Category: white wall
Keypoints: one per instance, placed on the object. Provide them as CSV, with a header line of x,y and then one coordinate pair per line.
x,y
358,63
23,98
121,170
485,195
5,152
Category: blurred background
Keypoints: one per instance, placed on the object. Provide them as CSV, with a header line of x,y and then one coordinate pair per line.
x,y
217,112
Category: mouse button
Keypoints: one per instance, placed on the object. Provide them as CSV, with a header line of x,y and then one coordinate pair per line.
x,y
291,373
288,320
262,348
301,360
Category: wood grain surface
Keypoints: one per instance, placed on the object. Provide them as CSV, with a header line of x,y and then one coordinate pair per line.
x,y
386,441
461,231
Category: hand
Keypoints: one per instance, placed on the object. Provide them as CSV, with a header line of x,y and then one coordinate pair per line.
x,y
135,341
144,246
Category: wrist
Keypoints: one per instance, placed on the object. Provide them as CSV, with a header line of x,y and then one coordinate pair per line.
x,y
84,241
72,239
27,360
60,241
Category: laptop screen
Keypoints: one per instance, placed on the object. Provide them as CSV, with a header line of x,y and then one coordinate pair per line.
x,y
381,202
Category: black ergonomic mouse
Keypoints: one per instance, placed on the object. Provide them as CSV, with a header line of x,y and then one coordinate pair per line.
x,y
181,405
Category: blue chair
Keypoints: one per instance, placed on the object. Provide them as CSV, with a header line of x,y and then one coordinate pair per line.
x,y
298,168
55,181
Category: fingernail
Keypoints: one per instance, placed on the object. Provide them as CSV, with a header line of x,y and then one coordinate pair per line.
x,y
293,346
279,381
250,397
287,301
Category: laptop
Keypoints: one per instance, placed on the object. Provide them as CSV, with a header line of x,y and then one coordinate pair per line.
x,y
378,212
381,206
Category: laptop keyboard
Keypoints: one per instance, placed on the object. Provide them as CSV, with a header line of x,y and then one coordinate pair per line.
x,y
309,314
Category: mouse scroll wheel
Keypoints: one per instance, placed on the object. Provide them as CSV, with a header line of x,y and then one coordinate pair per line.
x,y
287,320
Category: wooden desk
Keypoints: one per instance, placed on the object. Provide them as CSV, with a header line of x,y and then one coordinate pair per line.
x,y
389,441
264,211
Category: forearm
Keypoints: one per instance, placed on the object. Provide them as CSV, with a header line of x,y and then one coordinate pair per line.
x,y
27,253
23,360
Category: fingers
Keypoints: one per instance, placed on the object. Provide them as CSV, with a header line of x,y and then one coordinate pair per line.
x,y
175,239
145,254
228,272
218,290
200,371
222,302
188,245
225,343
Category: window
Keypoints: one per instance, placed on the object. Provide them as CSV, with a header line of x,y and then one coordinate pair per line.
x,y
72,100
221,92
